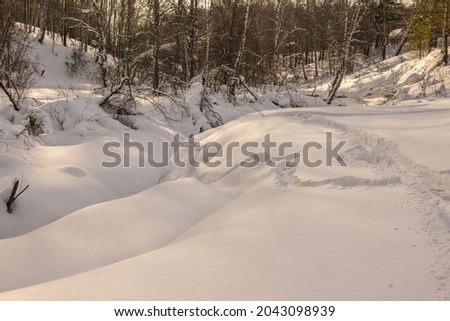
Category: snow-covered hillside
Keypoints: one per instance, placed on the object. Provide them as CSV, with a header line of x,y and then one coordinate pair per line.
x,y
375,229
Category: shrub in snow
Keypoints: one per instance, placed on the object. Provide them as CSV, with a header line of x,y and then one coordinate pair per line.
x,y
76,62
35,125
202,113
193,100
121,103
18,66
28,120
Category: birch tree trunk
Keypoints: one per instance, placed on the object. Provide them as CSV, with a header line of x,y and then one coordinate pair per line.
x,y
2,35
102,33
276,39
157,43
193,39
445,32
237,63
43,20
350,28
206,64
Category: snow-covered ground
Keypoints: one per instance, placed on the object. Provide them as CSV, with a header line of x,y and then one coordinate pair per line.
x,y
376,229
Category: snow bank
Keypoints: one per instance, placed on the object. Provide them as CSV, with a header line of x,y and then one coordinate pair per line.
x,y
287,99
395,79
193,100
421,69
229,232
63,165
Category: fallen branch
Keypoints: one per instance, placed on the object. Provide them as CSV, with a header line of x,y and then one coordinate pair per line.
x,y
13,195
114,92
248,88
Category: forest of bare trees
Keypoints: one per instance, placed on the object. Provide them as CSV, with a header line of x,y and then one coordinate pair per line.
x,y
164,44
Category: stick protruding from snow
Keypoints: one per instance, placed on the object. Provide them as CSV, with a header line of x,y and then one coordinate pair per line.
x,y
13,196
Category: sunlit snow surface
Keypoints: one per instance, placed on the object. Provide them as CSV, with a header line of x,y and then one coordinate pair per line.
x,y
376,229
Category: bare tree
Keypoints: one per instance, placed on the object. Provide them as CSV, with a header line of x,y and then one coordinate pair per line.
x,y
351,20
445,31
43,14
2,32
193,38
281,5
157,43
16,65
237,63
99,28
206,64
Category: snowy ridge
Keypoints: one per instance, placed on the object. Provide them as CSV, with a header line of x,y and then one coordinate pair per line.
x,y
83,240
351,181
394,80
383,152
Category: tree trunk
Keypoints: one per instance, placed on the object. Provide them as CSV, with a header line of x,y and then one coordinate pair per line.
x,y
65,27
8,94
43,20
206,64
276,39
178,49
350,29
237,63
384,38
305,75
445,32
103,41
157,43
2,36
401,43
193,39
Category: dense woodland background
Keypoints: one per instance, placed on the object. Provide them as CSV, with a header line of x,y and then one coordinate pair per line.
x,y
163,45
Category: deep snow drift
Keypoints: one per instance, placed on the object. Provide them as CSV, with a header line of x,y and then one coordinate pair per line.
x,y
375,229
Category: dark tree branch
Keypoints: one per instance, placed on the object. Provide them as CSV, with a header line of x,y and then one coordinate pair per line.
x,y
8,94
13,196
114,92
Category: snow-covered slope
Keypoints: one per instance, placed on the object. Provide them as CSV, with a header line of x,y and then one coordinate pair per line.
x,y
392,81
